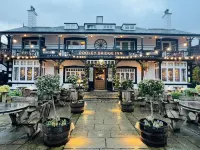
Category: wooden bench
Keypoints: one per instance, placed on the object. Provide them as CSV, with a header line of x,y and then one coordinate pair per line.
x,y
40,116
172,112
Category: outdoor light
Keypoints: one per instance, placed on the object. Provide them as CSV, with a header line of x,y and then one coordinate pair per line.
x,y
8,58
185,44
191,57
13,56
31,46
156,52
14,41
168,49
24,35
156,37
121,36
44,49
18,57
91,36
59,54
5,55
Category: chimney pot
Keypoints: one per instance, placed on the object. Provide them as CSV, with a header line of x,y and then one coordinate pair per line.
x,y
167,19
99,19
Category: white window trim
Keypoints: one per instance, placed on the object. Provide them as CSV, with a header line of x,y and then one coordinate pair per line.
x,y
37,65
122,71
70,71
174,67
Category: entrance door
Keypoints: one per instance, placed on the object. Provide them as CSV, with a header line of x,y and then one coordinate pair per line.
x,y
100,78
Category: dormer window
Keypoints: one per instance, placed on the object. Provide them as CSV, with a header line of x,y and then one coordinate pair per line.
x,y
73,26
128,26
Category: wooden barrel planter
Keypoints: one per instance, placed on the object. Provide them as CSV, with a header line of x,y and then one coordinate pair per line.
x,y
127,106
152,136
77,107
58,135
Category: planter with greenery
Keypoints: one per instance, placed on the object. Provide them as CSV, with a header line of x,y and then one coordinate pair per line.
x,y
77,104
56,131
126,90
153,131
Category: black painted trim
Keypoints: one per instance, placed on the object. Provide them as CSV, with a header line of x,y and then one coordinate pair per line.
x,y
167,39
70,67
135,68
90,32
34,38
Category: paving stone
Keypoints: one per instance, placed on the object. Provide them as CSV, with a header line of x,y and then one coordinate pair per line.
x,y
106,127
100,134
78,133
9,147
82,142
120,134
128,142
87,122
126,127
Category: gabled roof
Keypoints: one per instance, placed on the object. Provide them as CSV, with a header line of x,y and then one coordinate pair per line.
x,y
82,30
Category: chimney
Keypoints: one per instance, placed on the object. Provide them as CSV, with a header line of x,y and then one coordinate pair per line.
x,y
99,19
32,17
167,19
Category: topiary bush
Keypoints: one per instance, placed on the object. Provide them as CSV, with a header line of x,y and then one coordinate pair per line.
x,y
176,95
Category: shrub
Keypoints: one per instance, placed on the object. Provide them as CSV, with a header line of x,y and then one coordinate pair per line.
x,y
73,79
4,88
127,84
176,95
198,88
15,93
190,91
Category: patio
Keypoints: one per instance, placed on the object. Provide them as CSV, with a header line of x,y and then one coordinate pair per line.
x,y
101,126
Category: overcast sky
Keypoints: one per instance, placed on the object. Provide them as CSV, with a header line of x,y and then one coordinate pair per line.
x,y
145,13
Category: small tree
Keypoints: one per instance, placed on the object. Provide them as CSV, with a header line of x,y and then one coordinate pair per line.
x,y
73,80
47,85
196,75
152,89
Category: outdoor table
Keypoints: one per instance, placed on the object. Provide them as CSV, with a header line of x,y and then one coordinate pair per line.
x,y
15,111
190,106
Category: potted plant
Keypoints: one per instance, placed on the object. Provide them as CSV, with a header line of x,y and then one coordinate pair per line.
x,y
77,104
56,131
126,90
153,131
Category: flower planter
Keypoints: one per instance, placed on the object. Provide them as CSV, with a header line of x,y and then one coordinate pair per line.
x,y
127,107
58,135
77,108
152,136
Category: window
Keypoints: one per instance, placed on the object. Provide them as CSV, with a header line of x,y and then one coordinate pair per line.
x,y
174,71
80,72
126,73
31,43
166,45
126,45
25,70
157,71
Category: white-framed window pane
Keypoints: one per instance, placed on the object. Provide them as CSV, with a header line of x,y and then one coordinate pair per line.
x,y
16,73
132,76
29,73
164,74
177,75
36,72
170,74
22,73
183,73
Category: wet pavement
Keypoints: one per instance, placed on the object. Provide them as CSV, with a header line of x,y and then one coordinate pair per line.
x,y
101,126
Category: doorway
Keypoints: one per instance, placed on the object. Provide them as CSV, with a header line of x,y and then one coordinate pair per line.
x,y
100,78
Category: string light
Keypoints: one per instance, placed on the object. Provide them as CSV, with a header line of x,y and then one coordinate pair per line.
x,y
5,55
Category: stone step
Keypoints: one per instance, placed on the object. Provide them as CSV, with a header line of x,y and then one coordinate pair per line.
x,y
100,95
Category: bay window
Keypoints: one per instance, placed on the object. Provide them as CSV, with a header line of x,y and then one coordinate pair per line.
x,y
174,71
25,70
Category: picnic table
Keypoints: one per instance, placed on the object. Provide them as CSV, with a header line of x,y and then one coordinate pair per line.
x,y
14,110
190,106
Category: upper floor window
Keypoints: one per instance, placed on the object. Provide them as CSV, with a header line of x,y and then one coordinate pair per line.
x,y
125,45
